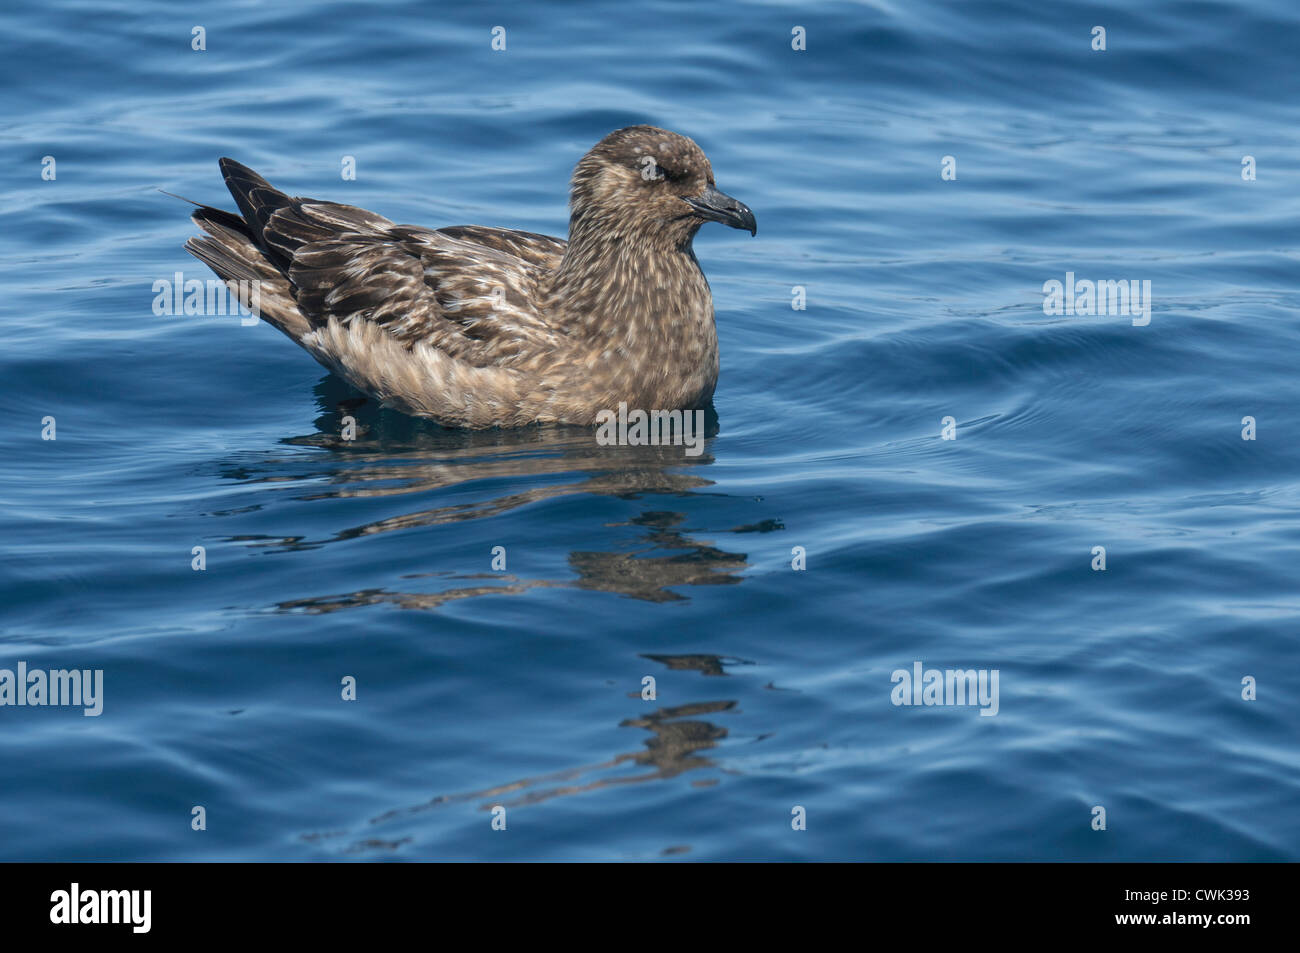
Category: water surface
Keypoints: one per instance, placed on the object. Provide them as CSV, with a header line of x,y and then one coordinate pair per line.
x,y
522,688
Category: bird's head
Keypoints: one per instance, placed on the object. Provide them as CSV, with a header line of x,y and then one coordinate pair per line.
x,y
646,182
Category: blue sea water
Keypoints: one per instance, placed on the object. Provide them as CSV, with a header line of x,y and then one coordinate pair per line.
x,y
521,688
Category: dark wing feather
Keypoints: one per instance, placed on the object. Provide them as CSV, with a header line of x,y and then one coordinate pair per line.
x,y
469,291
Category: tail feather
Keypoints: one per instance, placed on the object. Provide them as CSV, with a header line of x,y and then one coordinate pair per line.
x,y
222,259
230,250
206,215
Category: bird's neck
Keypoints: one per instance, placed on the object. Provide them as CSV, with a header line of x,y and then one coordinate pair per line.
x,y
613,282
641,305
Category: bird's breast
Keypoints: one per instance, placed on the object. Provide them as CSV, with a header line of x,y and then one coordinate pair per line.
x,y
645,335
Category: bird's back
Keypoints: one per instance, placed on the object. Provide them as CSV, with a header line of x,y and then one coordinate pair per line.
x,y
409,314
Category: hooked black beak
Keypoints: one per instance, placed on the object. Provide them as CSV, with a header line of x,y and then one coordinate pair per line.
x,y
714,206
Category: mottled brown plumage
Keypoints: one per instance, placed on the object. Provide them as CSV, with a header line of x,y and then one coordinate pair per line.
x,y
481,327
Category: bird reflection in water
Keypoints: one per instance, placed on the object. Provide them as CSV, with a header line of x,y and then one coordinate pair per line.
x,y
394,455
679,735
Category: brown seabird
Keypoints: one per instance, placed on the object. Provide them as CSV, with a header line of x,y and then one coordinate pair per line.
x,y
483,327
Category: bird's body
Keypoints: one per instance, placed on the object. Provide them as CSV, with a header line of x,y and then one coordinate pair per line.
x,y
481,327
